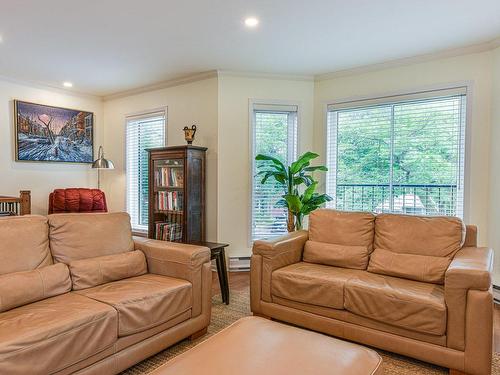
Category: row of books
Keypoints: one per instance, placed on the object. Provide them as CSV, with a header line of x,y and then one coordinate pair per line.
x,y
169,177
170,200
169,231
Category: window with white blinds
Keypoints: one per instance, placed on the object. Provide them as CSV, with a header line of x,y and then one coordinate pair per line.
x,y
142,132
400,154
274,133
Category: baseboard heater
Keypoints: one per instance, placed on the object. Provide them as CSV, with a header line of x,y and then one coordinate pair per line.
x,y
496,293
239,264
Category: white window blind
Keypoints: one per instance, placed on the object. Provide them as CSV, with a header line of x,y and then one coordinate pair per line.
x,y
275,134
142,132
400,154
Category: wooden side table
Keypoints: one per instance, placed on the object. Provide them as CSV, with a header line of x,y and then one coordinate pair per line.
x,y
217,252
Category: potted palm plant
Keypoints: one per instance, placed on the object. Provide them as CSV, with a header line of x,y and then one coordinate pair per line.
x,y
299,186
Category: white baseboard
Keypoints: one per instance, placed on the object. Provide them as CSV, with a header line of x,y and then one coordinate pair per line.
x,y
239,264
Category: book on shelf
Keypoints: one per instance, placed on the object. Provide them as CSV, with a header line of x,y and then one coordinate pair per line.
x,y
170,229
169,177
170,201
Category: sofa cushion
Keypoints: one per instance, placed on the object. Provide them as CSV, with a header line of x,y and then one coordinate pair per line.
x,y
82,236
352,232
355,257
310,283
414,267
143,301
50,335
426,236
22,252
21,288
403,303
87,273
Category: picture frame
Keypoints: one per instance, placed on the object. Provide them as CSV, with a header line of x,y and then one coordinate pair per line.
x,y
45,133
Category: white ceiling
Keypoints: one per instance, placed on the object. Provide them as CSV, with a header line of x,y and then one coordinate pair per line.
x,y
107,46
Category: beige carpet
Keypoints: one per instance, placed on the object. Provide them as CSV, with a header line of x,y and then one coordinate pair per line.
x,y
223,315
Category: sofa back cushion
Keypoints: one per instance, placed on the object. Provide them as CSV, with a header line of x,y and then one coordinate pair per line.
x,y
22,288
24,243
416,247
82,236
87,273
342,239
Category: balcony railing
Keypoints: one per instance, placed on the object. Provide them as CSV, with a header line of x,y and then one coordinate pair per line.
x,y
413,199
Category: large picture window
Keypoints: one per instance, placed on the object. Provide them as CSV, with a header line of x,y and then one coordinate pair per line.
x,y
400,154
274,133
142,132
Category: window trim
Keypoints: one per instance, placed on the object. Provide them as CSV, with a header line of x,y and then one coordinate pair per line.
x,y
469,91
251,126
132,116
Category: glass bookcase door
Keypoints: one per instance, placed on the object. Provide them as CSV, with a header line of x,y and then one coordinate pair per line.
x,y
169,199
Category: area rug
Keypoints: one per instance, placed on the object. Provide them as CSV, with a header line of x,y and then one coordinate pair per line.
x,y
223,315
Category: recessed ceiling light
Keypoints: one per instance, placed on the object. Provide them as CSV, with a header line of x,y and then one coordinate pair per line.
x,y
251,22
67,84
1,39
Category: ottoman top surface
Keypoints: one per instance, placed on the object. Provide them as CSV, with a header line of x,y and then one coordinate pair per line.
x,y
259,346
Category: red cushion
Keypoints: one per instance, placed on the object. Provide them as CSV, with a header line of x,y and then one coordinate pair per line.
x,y
77,200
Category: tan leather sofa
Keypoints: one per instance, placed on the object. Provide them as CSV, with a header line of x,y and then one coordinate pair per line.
x,y
417,286
79,294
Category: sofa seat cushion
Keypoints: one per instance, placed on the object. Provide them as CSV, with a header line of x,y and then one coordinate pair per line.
x,y
311,283
403,303
50,335
145,301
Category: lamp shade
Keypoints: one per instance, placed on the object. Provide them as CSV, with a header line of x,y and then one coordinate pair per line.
x,y
101,162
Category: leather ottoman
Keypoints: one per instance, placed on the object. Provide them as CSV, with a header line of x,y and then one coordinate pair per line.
x,y
259,346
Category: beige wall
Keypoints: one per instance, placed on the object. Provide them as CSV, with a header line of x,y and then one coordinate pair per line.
x,y
41,178
187,104
494,218
475,69
234,154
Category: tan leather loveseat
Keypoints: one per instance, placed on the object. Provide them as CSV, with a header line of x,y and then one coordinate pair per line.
x,y
417,286
79,294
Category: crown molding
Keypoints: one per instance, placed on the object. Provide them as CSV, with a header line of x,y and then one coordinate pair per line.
x,y
48,86
287,77
467,50
162,85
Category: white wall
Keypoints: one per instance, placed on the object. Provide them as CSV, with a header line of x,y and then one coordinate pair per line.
x,y
41,178
494,218
475,69
234,153
187,104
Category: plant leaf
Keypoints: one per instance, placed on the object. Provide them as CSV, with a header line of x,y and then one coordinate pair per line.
x,y
302,161
316,168
275,161
294,203
308,193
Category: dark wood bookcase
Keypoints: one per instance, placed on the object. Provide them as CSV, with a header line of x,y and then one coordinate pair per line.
x,y
177,193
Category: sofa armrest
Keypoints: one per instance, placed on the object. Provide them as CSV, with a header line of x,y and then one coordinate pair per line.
x,y
291,242
470,269
270,255
180,261
171,258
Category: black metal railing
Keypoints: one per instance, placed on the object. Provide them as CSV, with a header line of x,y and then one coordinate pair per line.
x,y
417,199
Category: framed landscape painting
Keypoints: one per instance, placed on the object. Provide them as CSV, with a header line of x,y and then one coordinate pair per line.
x,y
53,134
